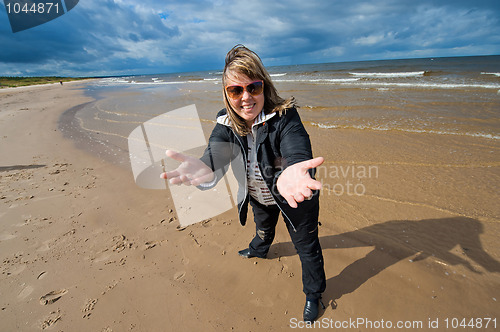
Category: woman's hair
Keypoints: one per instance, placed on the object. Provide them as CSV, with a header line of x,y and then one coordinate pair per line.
x,y
241,60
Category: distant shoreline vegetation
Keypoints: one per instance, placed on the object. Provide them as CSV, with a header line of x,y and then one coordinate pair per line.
x,y
13,82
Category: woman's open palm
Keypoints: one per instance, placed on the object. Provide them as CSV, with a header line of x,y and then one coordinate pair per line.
x,y
295,184
191,171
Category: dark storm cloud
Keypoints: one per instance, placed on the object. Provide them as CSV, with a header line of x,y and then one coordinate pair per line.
x,y
130,37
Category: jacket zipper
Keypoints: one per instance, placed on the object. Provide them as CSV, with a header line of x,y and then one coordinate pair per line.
x,y
246,185
258,165
283,212
245,164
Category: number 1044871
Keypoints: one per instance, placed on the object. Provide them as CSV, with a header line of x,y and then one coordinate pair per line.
x,y
478,323
34,8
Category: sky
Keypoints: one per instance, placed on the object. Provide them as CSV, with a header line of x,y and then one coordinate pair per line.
x,y
126,37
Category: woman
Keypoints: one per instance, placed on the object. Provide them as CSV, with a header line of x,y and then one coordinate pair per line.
x,y
268,132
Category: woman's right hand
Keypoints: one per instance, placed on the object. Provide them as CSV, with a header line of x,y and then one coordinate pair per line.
x,y
191,171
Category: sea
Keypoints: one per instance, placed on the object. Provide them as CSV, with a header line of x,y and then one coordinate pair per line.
x,y
441,96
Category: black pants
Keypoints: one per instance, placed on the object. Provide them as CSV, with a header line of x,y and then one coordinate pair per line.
x,y
304,238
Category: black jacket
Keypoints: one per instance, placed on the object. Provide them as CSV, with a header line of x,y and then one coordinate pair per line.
x,y
281,141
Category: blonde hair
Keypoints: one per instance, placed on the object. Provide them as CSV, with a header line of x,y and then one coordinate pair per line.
x,y
241,60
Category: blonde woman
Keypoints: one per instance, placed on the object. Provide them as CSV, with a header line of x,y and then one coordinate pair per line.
x,y
279,167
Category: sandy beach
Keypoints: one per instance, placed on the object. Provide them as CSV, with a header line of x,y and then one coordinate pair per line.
x,y
410,227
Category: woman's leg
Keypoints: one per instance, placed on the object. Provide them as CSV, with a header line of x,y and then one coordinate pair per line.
x,y
306,242
266,218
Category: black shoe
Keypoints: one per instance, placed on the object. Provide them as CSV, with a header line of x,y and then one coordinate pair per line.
x,y
311,310
246,253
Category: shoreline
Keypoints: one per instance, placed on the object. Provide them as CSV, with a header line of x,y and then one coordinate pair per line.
x,y
82,245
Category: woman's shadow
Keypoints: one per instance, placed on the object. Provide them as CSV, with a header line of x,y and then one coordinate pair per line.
x,y
394,241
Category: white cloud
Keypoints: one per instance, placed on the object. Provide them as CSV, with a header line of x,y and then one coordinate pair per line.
x,y
369,40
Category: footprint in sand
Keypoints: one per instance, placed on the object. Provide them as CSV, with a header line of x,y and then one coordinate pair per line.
x,y
52,296
151,244
179,275
88,307
25,292
51,319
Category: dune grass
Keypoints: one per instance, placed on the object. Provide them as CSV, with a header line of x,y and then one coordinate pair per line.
x,y
12,82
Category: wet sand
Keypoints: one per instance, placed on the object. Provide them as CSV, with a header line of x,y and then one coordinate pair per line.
x,y
410,226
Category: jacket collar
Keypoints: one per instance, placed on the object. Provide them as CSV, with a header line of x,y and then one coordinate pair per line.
x,y
261,118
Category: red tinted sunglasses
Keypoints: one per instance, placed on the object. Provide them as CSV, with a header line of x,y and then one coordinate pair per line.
x,y
236,91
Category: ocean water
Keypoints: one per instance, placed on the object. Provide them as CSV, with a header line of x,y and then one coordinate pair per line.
x,y
441,96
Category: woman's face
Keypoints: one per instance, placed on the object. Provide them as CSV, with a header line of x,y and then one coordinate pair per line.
x,y
246,106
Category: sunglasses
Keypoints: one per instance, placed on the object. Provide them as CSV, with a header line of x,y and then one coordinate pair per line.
x,y
236,91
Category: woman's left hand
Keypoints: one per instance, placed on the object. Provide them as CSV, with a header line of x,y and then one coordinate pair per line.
x,y
295,184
